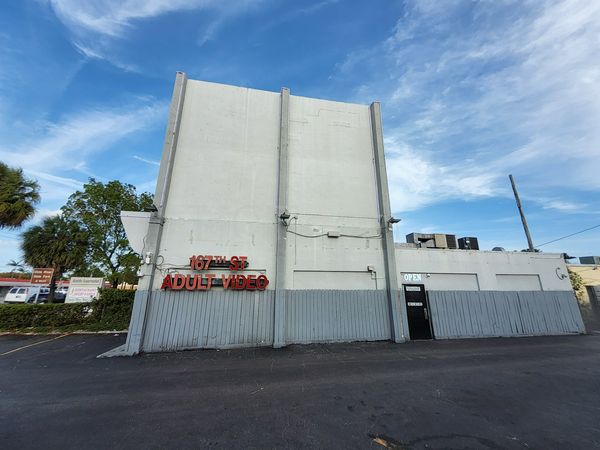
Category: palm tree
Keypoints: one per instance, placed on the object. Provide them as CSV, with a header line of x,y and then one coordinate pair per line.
x,y
18,197
17,266
57,243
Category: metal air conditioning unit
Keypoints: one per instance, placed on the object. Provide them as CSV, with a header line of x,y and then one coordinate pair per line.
x,y
468,243
428,240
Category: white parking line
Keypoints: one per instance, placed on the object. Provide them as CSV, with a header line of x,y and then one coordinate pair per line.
x,y
31,345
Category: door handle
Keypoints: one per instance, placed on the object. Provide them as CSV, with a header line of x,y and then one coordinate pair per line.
x,y
426,315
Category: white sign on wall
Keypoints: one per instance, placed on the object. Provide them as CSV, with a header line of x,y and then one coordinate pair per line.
x,y
83,289
412,277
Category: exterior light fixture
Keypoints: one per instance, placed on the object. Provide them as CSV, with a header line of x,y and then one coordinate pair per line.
x,y
285,216
393,220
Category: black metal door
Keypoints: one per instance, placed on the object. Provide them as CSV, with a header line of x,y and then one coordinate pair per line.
x,y
418,313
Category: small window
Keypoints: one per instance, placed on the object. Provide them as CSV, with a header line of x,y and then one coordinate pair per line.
x,y
22,291
13,291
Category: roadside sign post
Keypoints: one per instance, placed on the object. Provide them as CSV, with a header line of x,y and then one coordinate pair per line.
x,y
41,276
83,289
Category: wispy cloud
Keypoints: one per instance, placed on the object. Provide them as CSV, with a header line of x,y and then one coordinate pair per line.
x,y
563,205
99,54
65,146
416,179
147,161
95,26
114,17
474,91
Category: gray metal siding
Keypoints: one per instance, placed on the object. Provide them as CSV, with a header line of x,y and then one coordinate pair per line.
x,y
461,314
219,319
178,320
336,315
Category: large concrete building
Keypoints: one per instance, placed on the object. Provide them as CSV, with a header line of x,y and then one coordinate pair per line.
x,y
273,226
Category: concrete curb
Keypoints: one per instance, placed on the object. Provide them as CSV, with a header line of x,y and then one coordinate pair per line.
x,y
52,333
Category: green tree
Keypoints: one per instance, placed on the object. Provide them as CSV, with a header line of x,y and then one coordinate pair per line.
x,y
97,210
57,243
18,197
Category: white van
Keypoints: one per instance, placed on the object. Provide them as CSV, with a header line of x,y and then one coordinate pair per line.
x,y
20,294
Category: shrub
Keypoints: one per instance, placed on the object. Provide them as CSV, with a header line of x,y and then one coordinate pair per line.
x,y
111,311
113,308
13,317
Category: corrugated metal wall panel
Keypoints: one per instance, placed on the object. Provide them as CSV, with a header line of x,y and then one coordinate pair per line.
x,y
336,315
183,320
222,319
461,314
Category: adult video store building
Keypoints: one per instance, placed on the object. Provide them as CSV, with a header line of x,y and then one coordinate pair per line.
x,y
273,227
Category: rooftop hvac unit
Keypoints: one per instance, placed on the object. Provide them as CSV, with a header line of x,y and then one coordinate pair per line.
x,y
410,238
589,259
440,241
451,240
437,240
468,243
421,239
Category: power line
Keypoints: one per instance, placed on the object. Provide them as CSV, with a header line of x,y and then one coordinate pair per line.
x,y
569,235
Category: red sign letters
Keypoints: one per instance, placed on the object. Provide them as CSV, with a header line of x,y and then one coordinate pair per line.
x,y
204,282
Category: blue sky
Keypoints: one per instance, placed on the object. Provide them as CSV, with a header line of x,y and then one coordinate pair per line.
x,y
471,91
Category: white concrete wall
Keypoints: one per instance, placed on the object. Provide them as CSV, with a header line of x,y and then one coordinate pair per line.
x,y
222,198
223,194
332,187
466,270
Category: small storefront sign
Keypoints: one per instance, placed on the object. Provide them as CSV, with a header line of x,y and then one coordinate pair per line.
x,y
42,276
415,303
412,277
206,281
83,289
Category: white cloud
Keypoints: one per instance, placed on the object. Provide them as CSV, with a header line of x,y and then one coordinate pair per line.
x,y
114,17
65,146
99,54
415,180
96,25
474,91
66,143
45,212
147,161
563,205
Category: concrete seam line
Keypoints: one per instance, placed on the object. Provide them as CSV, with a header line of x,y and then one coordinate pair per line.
x,y
34,344
279,304
397,313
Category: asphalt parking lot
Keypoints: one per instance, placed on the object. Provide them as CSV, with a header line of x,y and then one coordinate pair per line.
x,y
479,394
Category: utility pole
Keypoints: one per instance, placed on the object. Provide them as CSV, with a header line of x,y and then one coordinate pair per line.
x,y
523,220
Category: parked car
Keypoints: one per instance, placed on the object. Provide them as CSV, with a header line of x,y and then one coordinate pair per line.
x,y
20,294
62,289
42,297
